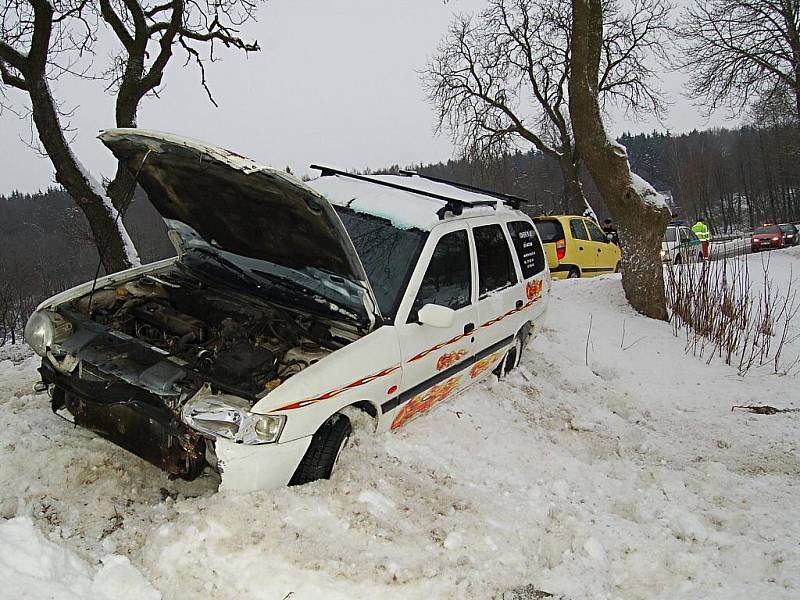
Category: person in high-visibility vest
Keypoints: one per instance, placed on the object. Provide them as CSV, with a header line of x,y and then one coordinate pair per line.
x,y
701,231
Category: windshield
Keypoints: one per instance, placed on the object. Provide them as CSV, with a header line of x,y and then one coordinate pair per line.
x,y
312,288
670,235
388,254
788,228
771,229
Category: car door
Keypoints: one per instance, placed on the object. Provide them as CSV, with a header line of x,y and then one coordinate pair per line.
x,y
683,245
605,252
582,250
500,294
435,359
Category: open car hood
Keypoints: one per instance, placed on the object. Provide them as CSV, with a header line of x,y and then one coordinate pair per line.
x,y
238,205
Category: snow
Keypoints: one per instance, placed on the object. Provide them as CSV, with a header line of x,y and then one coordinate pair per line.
x,y
128,248
31,566
611,468
647,192
404,209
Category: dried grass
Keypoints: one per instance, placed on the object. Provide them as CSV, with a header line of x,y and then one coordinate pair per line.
x,y
714,306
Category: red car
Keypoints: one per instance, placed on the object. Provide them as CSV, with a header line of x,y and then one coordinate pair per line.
x,y
766,237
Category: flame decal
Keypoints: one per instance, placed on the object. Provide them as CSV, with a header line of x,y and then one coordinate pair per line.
x,y
337,391
450,358
483,364
424,402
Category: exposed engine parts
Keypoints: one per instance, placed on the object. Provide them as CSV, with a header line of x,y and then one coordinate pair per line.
x,y
247,343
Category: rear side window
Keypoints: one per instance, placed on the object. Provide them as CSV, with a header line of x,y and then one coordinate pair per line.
x,y
495,268
529,250
578,230
549,231
448,280
596,233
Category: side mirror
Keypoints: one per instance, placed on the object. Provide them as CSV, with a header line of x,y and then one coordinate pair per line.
x,y
436,316
609,237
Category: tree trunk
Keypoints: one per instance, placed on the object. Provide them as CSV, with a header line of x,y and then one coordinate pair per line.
x,y
574,198
113,243
641,219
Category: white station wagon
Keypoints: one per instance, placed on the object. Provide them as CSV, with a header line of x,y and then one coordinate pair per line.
x,y
287,303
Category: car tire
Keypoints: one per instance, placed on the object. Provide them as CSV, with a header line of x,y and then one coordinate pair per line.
x,y
574,273
677,260
700,257
323,452
512,357
618,268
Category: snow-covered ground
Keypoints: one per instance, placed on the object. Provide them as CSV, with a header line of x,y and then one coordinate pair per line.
x,y
608,469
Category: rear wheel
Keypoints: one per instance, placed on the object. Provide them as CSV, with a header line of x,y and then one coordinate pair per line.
x,y
513,356
677,260
323,452
618,268
574,273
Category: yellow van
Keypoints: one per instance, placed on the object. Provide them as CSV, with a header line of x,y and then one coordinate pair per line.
x,y
576,247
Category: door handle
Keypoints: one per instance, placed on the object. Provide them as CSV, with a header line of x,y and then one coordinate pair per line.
x,y
469,328
519,303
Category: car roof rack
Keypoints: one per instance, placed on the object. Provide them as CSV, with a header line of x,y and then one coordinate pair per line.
x,y
513,201
453,205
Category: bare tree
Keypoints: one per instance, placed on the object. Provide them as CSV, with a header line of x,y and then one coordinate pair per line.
x,y
42,40
501,77
741,51
640,212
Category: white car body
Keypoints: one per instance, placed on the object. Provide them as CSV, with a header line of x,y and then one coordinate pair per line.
x,y
681,246
400,368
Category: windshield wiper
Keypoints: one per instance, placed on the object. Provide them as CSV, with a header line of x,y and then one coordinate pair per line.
x,y
226,264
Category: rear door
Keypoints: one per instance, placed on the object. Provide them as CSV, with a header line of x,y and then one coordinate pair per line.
x,y
581,249
435,359
500,293
605,251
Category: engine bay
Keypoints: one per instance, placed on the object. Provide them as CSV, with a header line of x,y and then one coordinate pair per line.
x,y
249,344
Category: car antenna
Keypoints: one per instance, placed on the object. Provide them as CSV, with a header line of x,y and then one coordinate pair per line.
x,y
453,205
120,213
513,201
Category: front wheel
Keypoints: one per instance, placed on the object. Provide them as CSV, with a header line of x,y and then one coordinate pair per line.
x,y
574,273
618,268
323,452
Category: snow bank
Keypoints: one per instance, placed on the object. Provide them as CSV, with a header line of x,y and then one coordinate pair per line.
x,y
625,478
32,566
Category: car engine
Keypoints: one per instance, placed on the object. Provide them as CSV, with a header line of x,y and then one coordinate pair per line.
x,y
247,344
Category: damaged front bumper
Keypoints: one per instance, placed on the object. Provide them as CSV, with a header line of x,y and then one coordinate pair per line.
x,y
139,422
246,468
128,416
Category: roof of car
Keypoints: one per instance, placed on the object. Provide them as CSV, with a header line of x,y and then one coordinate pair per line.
x,y
405,208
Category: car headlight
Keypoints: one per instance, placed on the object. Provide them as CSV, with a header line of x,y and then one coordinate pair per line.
x,y
39,332
230,418
45,330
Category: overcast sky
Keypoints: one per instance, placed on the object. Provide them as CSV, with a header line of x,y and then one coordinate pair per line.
x,y
335,83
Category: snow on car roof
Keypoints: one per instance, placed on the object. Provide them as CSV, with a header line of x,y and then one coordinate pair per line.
x,y
405,209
